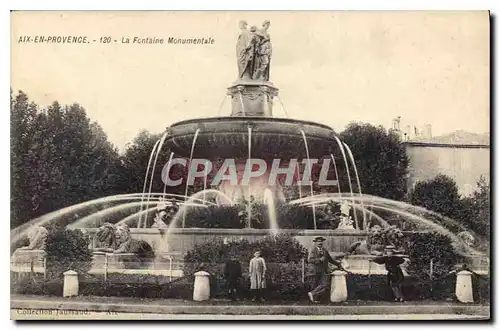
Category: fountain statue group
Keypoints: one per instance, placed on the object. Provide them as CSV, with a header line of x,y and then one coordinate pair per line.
x,y
330,217
166,212
254,51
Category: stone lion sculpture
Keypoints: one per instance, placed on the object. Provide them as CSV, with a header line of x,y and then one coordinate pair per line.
x,y
126,244
37,237
105,239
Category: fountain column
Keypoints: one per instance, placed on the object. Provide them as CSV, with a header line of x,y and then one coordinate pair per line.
x,y
252,98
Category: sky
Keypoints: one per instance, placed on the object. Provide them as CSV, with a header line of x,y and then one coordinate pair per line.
x,y
331,67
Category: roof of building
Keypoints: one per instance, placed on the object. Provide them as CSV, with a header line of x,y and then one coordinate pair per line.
x,y
457,138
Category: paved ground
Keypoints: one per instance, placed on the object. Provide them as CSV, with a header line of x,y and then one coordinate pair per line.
x,y
43,307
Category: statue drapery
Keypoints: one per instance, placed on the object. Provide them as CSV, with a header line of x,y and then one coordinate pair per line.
x,y
253,51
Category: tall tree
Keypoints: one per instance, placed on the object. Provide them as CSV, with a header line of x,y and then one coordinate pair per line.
x,y
58,158
380,159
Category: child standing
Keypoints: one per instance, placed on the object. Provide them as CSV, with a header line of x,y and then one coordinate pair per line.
x,y
395,275
257,270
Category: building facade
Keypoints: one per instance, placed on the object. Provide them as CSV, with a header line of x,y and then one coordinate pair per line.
x,y
463,156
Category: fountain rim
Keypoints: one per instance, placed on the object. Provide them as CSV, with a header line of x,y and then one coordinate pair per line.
x,y
251,119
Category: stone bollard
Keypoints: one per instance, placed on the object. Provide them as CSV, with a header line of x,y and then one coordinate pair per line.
x,y
338,291
201,289
463,289
70,283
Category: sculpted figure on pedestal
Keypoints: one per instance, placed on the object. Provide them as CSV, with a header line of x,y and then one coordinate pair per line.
x,y
253,52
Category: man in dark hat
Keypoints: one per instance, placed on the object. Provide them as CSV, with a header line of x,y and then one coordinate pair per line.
x,y
319,258
395,275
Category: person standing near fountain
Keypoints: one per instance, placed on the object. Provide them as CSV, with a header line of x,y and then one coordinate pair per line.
x,y
320,260
395,275
257,270
232,274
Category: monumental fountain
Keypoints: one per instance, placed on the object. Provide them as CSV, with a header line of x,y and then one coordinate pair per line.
x,y
156,220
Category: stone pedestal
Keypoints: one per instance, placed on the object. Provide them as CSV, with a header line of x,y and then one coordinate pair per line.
x,y
24,260
338,291
252,98
463,289
70,288
201,289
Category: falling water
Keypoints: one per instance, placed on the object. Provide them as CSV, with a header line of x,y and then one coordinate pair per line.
x,y
191,159
336,175
321,200
126,220
205,178
297,172
222,104
146,176
283,107
19,232
249,185
440,229
81,223
309,161
160,146
392,206
358,182
165,179
348,176
189,168
135,215
271,209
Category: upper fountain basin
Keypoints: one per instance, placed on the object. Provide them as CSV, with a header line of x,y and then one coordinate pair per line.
x,y
228,137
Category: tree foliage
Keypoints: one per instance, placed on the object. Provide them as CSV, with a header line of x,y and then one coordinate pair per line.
x,y
439,194
426,246
58,158
67,250
380,158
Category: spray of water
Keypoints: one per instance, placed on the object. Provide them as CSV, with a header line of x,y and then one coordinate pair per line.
x,y
341,147
185,207
351,157
271,210
160,146
309,162
100,215
147,173
404,210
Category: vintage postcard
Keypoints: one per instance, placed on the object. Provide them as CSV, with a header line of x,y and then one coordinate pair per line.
x,y
219,165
